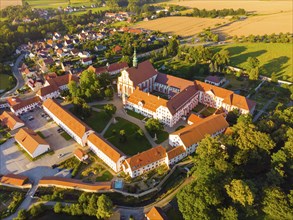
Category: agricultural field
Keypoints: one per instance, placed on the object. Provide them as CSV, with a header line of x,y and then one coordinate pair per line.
x,y
260,7
274,58
183,26
260,25
5,3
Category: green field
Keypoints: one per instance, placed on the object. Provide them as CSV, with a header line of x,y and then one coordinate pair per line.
x,y
133,143
65,3
273,57
4,82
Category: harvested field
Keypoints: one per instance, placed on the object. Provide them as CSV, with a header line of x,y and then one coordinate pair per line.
x,y
262,7
265,24
5,3
183,26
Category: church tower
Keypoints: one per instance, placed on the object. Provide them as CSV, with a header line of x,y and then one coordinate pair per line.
x,y
134,61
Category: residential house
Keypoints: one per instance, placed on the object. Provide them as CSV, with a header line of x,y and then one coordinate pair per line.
x,y
80,154
106,151
156,213
77,129
84,54
18,106
31,142
15,180
117,49
100,48
145,161
215,80
86,61
10,120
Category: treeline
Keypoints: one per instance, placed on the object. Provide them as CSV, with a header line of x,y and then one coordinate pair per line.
x,y
244,175
267,38
203,13
89,204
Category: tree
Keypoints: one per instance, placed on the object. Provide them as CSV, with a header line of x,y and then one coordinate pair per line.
x,y
109,93
110,109
274,78
153,125
278,205
11,80
240,192
105,207
253,68
232,116
22,215
229,213
122,134
36,210
58,207
140,133
112,4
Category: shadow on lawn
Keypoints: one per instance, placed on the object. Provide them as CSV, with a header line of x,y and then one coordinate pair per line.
x,y
242,58
276,65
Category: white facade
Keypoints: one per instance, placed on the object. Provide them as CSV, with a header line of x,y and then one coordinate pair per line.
x,y
52,95
25,108
116,166
81,140
41,149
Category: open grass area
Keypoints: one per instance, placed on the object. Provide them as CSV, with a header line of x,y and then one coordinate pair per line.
x,y
133,144
162,136
273,57
98,120
4,82
106,176
198,108
135,114
66,136
208,111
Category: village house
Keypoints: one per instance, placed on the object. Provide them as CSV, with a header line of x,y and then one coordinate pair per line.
x,y
112,69
31,142
18,106
215,80
80,154
145,161
11,121
106,151
86,61
156,213
77,129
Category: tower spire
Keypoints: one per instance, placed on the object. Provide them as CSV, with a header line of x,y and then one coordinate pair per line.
x,y
134,61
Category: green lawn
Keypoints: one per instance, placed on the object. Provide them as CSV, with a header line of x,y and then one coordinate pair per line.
x,y
66,136
208,111
98,120
4,82
162,136
198,108
133,144
106,176
135,114
273,57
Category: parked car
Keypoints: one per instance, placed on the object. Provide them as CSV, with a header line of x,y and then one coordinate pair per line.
x,y
60,130
30,118
60,155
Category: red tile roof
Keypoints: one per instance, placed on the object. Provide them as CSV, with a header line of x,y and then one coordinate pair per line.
x,y
156,214
146,157
74,183
176,151
9,119
72,122
117,66
63,80
142,72
26,102
196,132
47,90
29,139
108,149
14,179
79,153
173,81
214,79
193,118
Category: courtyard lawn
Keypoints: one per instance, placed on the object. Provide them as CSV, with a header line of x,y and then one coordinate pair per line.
x,y
133,143
273,57
198,108
4,81
98,120
162,136
66,136
106,176
208,111
135,114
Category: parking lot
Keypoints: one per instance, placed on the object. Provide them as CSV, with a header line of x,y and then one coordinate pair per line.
x,y
14,161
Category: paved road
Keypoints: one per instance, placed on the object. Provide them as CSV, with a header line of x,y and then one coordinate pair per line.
x,y
17,75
